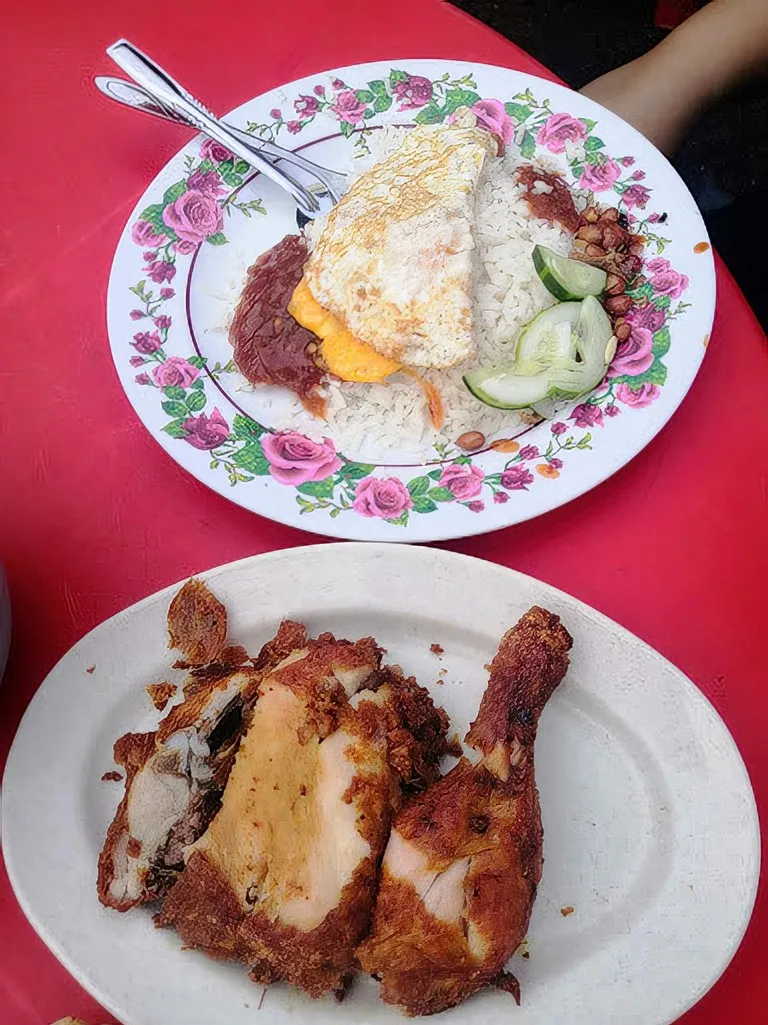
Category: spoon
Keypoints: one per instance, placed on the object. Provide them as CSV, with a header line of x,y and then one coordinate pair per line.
x,y
181,105
130,95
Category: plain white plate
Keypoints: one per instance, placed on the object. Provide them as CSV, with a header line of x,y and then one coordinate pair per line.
x,y
651,831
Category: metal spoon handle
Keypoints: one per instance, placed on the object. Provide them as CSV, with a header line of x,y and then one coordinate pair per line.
x,y
131,95
184,107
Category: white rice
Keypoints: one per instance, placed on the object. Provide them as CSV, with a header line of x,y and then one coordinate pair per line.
x,y
372,420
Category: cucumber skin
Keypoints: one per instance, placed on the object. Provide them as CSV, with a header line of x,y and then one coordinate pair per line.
x,y
487,400
550,282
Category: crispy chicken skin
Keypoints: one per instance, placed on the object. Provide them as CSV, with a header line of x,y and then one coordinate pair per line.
x,y
285,876
464,858
176,774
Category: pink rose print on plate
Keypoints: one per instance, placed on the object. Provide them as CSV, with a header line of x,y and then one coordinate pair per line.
x,y
207,182
559,428
665,280
635,195
146,342
462,481
194,216
634,356
476,506
294,127
137,314
144,235
492,115
386,499
175,371
516,478
167,293
206,432
559,129
600,177
636,398
348,108
649,317
295,459
215,152
160,271
305,106
412,92
587,415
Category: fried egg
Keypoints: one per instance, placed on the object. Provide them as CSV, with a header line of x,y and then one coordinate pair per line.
x,y
389,281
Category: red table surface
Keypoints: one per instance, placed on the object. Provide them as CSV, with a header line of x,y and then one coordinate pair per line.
x,y
94,516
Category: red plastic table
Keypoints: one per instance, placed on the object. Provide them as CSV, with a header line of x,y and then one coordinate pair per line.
x,y
94,515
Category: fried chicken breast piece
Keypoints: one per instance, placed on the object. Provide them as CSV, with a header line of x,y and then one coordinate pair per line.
x,y
464,858
174,778
176,774
285,876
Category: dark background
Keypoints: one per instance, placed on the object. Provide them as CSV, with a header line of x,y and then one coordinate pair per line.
x,y
724,158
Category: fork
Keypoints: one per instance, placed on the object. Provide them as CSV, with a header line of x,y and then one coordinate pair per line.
x,y
180,105
131,95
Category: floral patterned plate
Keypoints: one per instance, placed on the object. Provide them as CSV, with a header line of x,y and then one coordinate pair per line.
x,y
205,218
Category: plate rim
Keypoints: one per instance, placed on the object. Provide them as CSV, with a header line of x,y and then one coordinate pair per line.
x,y
361,528
387,552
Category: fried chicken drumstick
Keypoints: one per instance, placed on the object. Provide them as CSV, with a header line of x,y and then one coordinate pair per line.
x,y
464,858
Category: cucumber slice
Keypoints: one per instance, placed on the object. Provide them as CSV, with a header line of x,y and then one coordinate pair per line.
x,y
567,279
543,376
593,334
549,337
595,343
503,388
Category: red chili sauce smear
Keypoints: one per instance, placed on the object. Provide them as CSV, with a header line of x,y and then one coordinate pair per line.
x,y
556,205
270,346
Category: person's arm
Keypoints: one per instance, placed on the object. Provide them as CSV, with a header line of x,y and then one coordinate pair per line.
x,y
662,91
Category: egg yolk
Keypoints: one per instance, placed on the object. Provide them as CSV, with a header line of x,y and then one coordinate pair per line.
x,y
345,355
349,358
